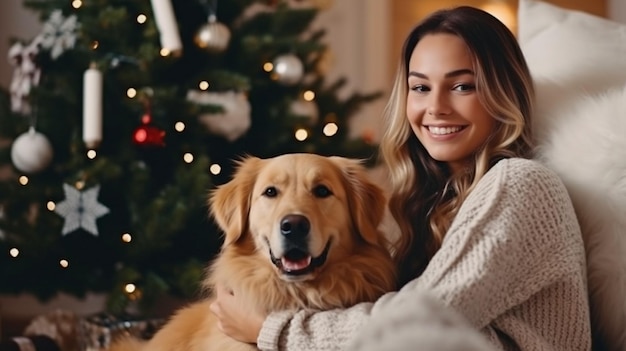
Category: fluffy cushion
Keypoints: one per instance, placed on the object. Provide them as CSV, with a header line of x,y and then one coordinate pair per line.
x,y
585,143
585,51
578,62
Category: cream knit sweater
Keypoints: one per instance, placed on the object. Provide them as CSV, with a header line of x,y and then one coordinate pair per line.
x,y
512,264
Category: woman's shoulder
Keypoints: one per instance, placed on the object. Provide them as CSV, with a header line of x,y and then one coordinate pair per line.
x,y
523,167
525,172
525,182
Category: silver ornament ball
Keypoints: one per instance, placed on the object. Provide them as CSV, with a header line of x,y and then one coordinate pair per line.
x,y
213,36
31,152
288,69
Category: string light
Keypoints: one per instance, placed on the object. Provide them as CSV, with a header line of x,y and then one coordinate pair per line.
x,y
179,126
308,95
131,92
188,157
301,134
268,67
204,85
330,129
51,205
23,180
91,154
95,44
130,288
14,252
141,19
77,4
215,169
64,263
126,238
165,52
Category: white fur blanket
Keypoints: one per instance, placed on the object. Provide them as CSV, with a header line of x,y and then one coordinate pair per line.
x,y
583,138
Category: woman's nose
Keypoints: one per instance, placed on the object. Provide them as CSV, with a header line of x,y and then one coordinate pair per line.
x,y
438,104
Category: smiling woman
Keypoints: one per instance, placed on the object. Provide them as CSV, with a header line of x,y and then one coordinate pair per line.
x,y
443,106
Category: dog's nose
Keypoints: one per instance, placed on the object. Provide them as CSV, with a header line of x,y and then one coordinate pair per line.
x,y
295,226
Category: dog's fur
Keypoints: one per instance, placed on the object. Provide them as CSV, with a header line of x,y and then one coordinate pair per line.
x,y
276,214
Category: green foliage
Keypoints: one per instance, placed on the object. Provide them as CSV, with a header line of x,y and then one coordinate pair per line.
x,y
151,192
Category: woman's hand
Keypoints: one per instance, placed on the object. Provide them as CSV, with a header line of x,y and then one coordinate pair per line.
x,y
234,319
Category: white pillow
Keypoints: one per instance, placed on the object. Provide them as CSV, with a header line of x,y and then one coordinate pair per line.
x,y
583,51
578,62
585,143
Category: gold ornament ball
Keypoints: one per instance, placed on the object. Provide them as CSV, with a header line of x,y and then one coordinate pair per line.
x,y
213,36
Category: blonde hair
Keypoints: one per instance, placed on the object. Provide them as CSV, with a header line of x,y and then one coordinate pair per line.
x,y
425,195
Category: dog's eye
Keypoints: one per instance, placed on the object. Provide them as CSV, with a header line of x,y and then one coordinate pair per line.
x,y
270,192
322,191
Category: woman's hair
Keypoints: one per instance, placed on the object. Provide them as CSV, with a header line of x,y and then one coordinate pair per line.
x,y
425,195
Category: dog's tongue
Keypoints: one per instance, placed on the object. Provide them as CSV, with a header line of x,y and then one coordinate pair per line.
x,y
295,265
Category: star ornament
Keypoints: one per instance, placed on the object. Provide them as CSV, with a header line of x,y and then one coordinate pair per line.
x,y
80,209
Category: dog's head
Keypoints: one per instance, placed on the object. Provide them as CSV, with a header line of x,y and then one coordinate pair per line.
x,y
300,210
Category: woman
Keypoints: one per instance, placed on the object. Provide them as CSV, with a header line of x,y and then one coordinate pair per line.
x,y
487,232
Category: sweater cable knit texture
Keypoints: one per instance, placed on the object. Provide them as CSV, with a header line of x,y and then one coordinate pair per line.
x,y
512,265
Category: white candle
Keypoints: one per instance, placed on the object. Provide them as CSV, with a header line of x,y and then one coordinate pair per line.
x,y
92,107
166,22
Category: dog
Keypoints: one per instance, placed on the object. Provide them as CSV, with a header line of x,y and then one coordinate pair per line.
x,y
300,231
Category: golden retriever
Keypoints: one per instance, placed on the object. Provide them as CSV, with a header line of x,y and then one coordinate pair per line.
x,y
300,231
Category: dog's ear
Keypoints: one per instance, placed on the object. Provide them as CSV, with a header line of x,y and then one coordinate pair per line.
x,y
229,203
366,199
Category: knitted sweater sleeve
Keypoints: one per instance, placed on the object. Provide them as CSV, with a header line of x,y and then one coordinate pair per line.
x,y
515,235
507,242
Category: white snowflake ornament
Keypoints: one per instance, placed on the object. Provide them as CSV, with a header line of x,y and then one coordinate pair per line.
x,y
58,33
80,209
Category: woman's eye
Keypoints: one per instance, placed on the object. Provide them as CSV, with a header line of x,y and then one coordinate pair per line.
x,y
420,88
464,87
270,191
321,191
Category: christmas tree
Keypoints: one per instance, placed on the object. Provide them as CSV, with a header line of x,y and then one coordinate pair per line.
x,y
122,115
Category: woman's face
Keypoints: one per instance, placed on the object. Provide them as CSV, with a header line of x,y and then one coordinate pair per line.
x,y
442,103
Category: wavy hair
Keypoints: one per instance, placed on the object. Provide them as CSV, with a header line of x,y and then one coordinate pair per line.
x,y
425,195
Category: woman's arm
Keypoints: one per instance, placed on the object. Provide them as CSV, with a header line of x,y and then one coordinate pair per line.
x,y
515,235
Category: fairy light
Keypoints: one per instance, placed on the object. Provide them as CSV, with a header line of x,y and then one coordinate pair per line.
x,y
51,205
14,252
77,4
215,169
95,44
64,263
165,52
91,154
130,288
204,85
131,92
268,67
330,129
141,19
308,95
301,134
127,238
79,185
188,157
179,126
23,180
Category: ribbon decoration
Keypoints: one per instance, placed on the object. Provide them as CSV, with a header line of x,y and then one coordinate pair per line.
x,y
26,74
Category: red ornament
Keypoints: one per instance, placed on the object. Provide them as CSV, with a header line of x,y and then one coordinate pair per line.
x,y
147,134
